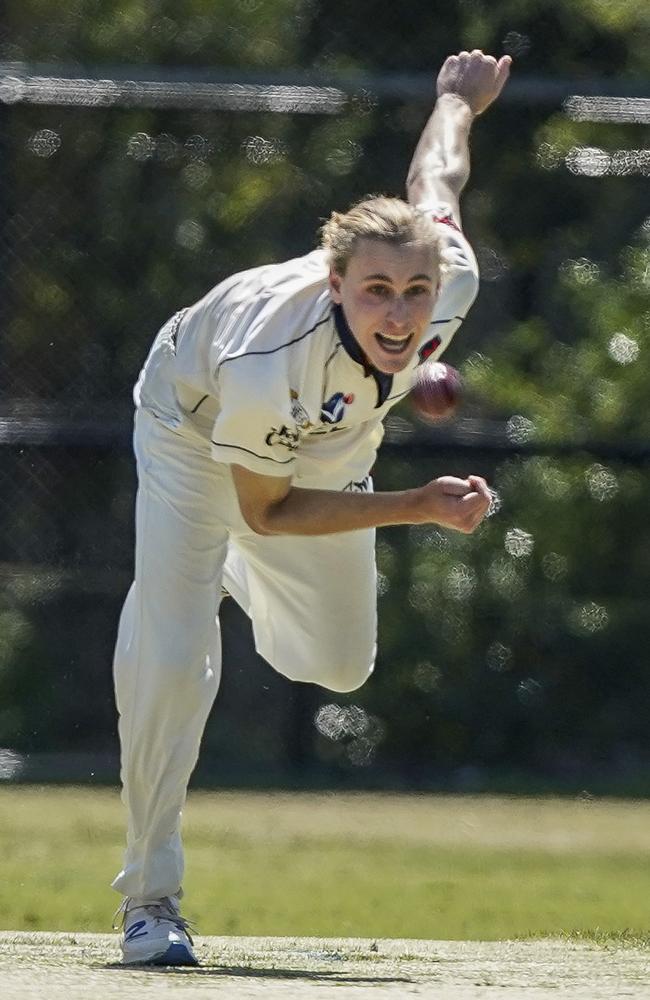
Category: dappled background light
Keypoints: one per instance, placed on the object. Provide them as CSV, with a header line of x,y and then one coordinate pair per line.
x,y
149,152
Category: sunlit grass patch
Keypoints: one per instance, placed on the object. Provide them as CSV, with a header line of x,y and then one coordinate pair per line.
x,y
343,866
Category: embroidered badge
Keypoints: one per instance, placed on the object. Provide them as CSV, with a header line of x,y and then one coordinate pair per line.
x,y
333,409
298,411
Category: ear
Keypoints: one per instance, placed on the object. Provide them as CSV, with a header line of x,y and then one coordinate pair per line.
x,y
335,285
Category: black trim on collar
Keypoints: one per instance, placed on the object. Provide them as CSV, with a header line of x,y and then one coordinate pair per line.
x,y
383,381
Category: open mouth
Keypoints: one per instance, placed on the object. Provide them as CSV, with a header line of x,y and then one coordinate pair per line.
x,y
393,345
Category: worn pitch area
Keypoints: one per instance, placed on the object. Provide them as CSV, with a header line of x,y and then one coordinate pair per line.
x,y
83,966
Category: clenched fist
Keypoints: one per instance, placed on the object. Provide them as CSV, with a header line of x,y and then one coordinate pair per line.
x,y
477,78
455,503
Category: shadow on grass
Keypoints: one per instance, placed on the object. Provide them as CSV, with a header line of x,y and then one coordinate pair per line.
x,y
253,972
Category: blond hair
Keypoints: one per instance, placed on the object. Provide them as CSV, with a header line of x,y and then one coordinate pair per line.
x,y
390,220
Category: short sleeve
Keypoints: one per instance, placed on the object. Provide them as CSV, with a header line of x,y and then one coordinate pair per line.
x,y
459,282
254,427
457,253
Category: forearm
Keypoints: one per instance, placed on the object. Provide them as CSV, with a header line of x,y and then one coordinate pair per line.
x,y
273,506
440,166
326,512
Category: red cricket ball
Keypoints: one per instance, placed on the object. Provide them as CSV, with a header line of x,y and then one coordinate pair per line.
x,y
437,390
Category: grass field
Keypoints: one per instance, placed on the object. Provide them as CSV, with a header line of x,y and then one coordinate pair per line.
x,y
371,866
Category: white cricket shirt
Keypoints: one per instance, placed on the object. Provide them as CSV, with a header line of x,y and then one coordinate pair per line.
x,y
265,370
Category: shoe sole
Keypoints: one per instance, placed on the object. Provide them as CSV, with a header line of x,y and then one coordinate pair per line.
x,y
176,954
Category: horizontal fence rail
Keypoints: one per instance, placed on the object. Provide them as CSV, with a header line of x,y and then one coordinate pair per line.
x,y
465,434
293,91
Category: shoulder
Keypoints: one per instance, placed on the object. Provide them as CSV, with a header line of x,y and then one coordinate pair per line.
x,y
460,276
290,331
283,278
285,307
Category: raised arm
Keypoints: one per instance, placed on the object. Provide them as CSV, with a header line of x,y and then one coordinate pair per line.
x,y
467,84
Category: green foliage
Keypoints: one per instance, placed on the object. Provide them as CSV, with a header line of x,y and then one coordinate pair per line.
x,y
250,34
521,647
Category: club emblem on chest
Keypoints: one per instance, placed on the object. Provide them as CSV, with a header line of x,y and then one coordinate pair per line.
x,y
333,409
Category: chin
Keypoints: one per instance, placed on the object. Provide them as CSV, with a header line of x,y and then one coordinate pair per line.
x,y
391,366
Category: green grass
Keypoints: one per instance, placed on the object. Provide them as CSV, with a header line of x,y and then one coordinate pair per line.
x,y
368,866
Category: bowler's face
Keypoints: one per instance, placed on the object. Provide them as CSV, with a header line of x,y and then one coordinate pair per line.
x,y
387,294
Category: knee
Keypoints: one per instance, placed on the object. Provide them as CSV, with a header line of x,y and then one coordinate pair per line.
x,y
329,661
344,676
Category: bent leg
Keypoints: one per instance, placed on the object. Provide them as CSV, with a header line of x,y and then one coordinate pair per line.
x,y
167,658
312,602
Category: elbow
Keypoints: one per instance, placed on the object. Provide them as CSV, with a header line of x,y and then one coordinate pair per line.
x,y
260,519
257,523
455,176
261,500
436,182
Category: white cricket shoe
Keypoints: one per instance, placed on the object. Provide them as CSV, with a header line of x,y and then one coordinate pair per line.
x,y
155,933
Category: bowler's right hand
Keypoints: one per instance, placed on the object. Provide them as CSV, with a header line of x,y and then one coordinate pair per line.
x,y
455,503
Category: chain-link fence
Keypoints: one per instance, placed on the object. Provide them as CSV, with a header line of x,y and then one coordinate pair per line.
x,y
121,201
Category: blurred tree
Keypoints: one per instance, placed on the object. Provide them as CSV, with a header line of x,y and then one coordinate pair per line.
x,y
521,647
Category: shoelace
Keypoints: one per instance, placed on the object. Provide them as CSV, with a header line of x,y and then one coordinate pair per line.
x,y
159,909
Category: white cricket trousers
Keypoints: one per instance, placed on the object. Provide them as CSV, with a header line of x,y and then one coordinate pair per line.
x,y
312,602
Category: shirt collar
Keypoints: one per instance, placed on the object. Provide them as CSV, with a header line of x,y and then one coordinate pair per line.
x,y
383,381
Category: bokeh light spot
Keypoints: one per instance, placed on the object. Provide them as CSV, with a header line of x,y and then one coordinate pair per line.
x,y
518,543
555,566
460,582
44,143
520,429
427,677
623,349
498,657
589,618
190,234
601,483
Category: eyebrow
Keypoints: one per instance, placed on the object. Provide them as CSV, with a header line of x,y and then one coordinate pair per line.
x,y
386,277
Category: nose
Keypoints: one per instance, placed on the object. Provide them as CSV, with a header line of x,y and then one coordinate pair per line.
x,y
398,312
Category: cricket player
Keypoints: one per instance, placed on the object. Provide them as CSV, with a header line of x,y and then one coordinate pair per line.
x,y
259,414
